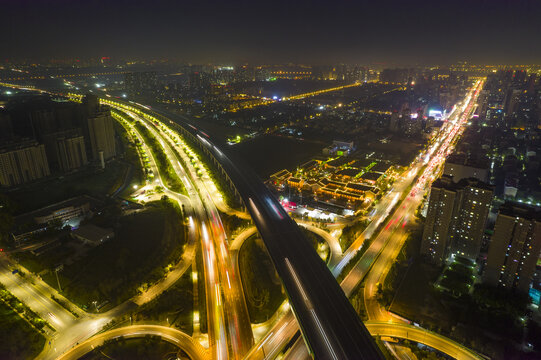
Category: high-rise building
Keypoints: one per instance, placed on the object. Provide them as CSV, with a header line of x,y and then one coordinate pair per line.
x,y
102,135
438,222
394,124
475,199
6,127
65,150
460,166
456,218
138,82
22,162
98,130
514,247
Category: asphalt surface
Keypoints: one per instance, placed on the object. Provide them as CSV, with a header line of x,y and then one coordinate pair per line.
x,y
329,324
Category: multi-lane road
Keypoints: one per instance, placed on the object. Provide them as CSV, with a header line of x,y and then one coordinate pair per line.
x,y
230,334
194,350
378,258
329,324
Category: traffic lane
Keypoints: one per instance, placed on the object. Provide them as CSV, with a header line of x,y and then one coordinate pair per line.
x,y
273,342
356,268
307,274
329,322
420,335
41,303
194,350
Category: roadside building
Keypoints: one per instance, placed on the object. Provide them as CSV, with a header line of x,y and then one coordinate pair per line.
x,y
456,218
371,177
461,167
67,212
22,162
514,248
295,182
93,234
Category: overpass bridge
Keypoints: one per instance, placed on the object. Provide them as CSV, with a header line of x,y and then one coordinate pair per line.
x,y
330,326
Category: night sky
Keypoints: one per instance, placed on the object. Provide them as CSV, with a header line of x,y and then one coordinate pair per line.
x,y
383,31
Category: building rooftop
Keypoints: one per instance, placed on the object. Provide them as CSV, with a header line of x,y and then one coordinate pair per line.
x,y
380,167
371,176
93,233
359,187
342,160
521,210
446,182
351,172
47,210
362,163
281,174
308,165
294,180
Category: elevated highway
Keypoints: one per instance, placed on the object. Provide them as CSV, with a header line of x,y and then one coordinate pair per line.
x,y
329,324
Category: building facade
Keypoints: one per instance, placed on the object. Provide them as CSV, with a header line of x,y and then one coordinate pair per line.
x,y
102,136
456,218
514,248
23,162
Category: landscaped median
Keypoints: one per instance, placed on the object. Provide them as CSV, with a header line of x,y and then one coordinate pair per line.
x,y
194,153
262,286
21,329
172,181
24,311
19,339
149,348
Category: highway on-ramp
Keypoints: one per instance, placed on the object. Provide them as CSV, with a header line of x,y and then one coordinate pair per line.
x,y
194,350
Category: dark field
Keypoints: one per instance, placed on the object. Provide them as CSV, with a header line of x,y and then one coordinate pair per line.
x,y
268,154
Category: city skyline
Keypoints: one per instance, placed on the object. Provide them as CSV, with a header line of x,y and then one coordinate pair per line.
x,y
270,180
391,32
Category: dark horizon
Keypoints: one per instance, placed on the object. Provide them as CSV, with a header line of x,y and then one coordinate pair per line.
x,y
394,32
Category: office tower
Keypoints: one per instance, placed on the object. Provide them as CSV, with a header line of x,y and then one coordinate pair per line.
x,y
514,247
22,162
98,130
513,99
456,218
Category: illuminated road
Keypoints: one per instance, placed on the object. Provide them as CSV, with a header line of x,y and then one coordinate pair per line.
x,y
266,101
335,253
333,244
395,231
215,311
420,335
390,239
328,320
297,272
194,350
227,312
36,296
89,324
225,301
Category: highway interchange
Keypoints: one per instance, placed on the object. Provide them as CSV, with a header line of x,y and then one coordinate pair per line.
x,y
230,333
